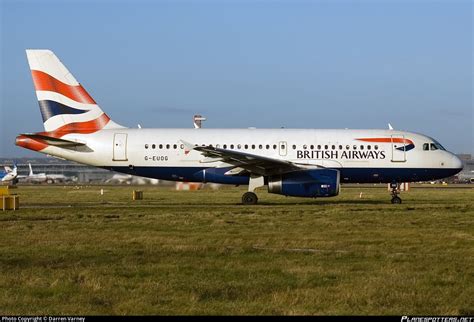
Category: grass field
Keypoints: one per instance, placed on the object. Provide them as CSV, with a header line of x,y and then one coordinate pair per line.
x,y
70,250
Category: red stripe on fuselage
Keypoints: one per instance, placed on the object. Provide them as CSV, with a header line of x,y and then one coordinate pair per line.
x,y
45,82
386,140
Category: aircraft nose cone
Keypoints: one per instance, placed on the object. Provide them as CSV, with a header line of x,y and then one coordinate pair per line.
x,y
456,163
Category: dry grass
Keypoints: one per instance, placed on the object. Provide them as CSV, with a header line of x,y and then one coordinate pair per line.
x,y
71,251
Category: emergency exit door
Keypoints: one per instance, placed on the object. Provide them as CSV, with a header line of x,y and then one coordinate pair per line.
x,y
120,147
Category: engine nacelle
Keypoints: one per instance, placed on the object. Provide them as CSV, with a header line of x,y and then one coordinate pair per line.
x,y
306,183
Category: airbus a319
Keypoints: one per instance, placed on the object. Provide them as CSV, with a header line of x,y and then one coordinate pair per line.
x,y
291,162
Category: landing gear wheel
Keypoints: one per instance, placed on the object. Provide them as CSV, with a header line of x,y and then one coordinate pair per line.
x,y
396,200
249,198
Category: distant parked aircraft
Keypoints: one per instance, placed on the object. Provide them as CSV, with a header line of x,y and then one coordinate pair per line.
x,y
466,176
43,177
292,162
9,175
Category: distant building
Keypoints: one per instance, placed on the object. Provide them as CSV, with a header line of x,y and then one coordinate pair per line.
x,y
465,156
467,173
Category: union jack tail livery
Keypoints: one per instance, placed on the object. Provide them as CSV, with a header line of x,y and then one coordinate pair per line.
x,y
65,105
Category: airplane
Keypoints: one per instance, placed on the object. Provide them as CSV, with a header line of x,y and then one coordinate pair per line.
x,y
33,177
467,177
291,162
9,175
43,177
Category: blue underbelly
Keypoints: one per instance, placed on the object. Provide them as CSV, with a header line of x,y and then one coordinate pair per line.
x,y
348,175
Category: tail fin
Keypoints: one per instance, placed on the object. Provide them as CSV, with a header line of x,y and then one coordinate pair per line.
x,y
31,170
65,105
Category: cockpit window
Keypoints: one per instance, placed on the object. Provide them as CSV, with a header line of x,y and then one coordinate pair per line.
x,y
433,147
437,145
426,146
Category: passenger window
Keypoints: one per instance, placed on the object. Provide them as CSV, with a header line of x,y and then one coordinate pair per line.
x,y
426,146
305,147
368,147
161,146
325,147
294,147
239,146
232,146
246,147
319,147
347,147
340,147
274,146
181,146
362,147
225,146
146,146
153,146
376,147
253,146
312,147
260,146
433,147
175,146
355,147
167,146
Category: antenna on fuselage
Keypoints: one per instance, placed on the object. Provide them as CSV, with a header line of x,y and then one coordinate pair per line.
x,y
197,121
390,126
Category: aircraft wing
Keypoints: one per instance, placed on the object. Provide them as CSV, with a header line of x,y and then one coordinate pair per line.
x,y
251,163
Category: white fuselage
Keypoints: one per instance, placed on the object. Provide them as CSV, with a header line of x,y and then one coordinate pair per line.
x,y
360,155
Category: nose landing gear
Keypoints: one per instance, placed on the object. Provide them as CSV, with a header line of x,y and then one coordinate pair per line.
x,y
395,186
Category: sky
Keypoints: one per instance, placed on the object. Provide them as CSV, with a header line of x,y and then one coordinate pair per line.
x,y
264,64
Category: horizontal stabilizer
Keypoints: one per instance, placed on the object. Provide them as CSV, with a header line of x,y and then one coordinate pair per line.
x,y
62,143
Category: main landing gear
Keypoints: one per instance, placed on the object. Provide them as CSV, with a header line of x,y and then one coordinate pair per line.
x,y
250,198
395,192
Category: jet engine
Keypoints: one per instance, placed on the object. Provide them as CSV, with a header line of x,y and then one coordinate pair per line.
x,y
306,183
